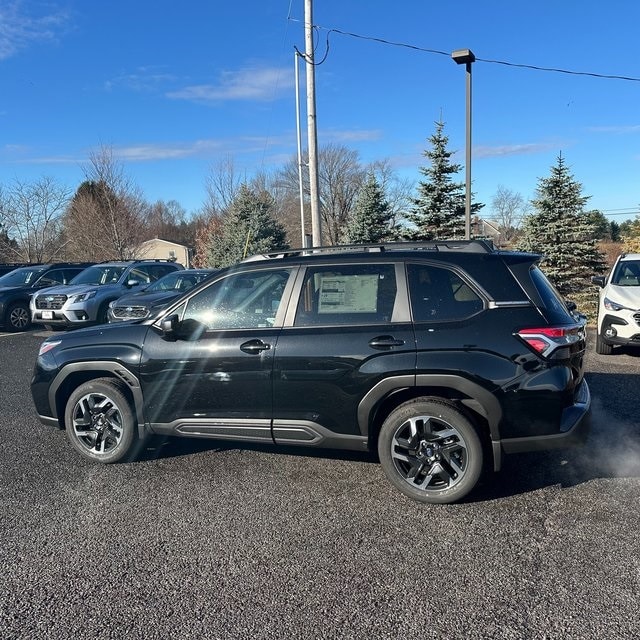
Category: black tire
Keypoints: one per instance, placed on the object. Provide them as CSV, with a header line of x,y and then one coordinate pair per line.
x,y
100,422
602,347
101,317
430,451
18,317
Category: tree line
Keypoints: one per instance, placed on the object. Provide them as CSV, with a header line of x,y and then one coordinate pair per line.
x,y
107,217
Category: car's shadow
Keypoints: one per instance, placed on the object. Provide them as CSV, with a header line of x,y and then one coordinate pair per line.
x,y
612,449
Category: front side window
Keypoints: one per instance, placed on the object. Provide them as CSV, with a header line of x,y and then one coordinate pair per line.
x,y
439,294
247,300
347,294
52,278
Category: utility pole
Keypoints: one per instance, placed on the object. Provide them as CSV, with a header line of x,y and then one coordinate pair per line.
x,y
312,135
299,140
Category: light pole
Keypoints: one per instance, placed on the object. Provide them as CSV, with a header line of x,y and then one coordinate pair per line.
x,y
466,57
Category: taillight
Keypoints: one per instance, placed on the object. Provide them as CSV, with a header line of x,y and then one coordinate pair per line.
x,y
545,340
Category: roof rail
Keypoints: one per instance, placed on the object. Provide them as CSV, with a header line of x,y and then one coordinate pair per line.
x,y
465,246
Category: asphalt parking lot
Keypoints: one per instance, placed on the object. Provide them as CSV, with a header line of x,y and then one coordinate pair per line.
x,y
201,540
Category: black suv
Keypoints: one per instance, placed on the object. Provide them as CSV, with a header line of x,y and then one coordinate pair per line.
x,y
440,356
17,287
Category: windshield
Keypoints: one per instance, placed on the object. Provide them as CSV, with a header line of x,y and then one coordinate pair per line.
x,y
99,275
21,277
627,273
178,281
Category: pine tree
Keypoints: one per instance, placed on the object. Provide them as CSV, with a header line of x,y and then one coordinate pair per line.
x,y
248,227
439,209
631,236
371,217
565,235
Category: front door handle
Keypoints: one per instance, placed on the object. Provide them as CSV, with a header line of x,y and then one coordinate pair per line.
x,y
385,342
254,346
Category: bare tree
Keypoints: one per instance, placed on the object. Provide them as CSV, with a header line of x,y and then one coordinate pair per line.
x,y
398,191
30,215
222,184
508,209
340,176
107,217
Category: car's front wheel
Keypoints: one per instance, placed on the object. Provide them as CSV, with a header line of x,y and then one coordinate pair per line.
x,y
18,317
100,421
602,347
430,451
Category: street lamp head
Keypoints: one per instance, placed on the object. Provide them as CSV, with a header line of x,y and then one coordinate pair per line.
x,y
463,56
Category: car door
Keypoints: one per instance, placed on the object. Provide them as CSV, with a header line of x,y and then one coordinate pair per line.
x,y
348,338
213,377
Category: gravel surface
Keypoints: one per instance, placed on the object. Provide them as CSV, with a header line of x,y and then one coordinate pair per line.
x,y
198,540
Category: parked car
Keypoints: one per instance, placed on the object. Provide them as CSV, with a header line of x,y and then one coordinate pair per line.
x,y
86,301
619,308
153,298
17,287
441,356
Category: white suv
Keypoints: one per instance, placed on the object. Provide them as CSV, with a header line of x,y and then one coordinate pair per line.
x,y
619,309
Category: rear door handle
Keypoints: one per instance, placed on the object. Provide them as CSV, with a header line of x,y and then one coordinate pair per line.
x,y
254,346
385,342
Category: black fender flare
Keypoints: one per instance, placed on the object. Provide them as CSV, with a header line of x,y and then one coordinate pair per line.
x,y
113,369
480,400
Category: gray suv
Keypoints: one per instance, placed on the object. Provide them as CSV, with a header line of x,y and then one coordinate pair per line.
x,y
86,300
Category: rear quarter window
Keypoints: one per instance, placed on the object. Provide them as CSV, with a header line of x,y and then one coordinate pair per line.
x,y
555,308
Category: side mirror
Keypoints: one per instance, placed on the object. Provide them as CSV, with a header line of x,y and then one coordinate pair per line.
x,y
169,327
172,329
133,283
599,280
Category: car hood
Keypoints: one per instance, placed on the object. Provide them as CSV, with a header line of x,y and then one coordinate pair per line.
x,y
75,289
627,296
146,298
12,289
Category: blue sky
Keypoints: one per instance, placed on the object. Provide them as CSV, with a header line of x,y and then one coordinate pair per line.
x,y
176,88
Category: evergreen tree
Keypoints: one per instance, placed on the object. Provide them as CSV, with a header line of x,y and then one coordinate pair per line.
x,y
614,231
631,236
371,220
8,247
564,234
248,227
439,209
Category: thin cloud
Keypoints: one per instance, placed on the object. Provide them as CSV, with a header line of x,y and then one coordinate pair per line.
x,y
354,135
142,79
18,30
631,128
151,152
515,149
252,83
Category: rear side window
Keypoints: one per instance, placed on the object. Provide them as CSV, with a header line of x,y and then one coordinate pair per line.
x,y
439,294
347,295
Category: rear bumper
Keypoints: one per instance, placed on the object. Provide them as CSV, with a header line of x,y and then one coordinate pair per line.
x,y
574,428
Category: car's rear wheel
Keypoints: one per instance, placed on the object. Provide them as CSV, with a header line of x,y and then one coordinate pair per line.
x,y
430,451
602,347
18,317
100,422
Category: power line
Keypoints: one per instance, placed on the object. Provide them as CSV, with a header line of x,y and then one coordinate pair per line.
x,y
606,76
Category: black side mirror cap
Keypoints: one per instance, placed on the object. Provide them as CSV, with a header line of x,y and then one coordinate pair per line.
x,y
599,280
